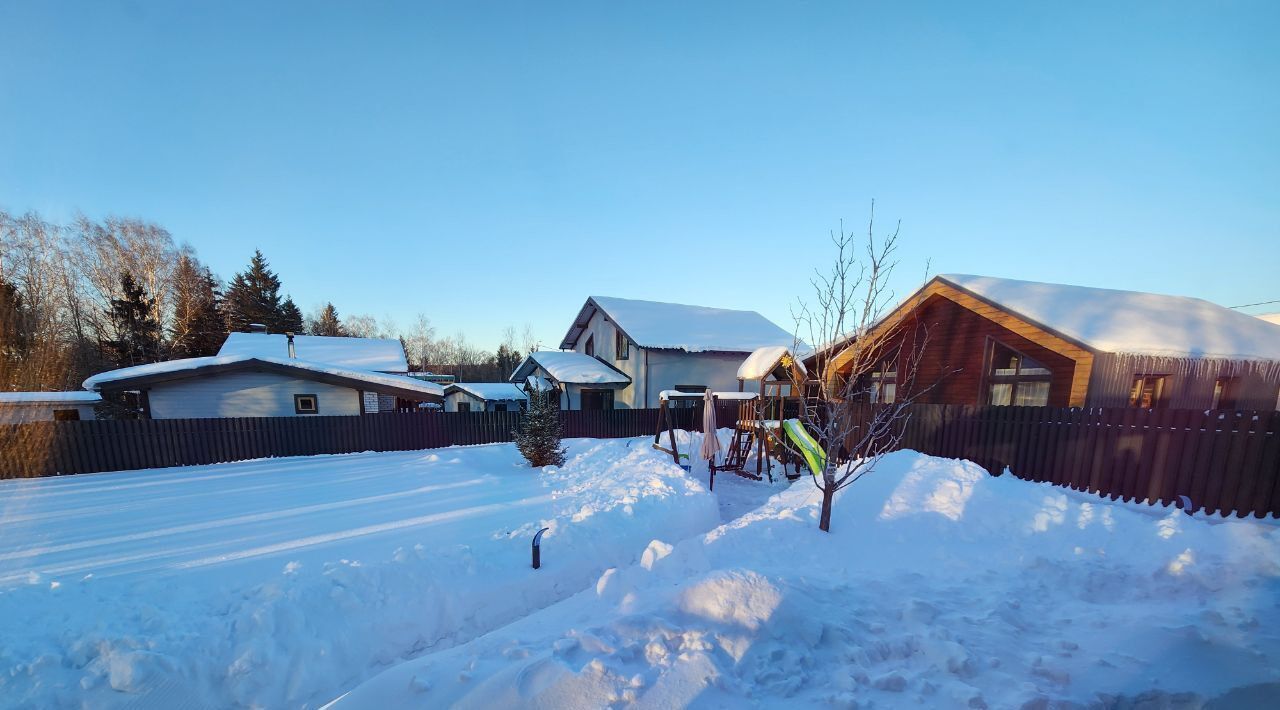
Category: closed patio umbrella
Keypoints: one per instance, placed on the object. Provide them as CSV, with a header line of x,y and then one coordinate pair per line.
x,y
710,442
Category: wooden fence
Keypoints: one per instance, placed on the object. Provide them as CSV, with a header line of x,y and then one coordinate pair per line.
x,y
1222,461
53,448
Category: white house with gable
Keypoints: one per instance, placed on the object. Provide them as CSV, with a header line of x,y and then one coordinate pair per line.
x,y
621,353
484,397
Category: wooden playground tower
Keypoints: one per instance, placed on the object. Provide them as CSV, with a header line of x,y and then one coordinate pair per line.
x,y
785,392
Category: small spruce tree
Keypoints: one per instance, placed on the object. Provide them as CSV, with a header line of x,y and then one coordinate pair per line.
x,y
538,436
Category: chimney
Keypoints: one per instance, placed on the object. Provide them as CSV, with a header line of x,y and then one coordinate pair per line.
x,y
257,328
293,354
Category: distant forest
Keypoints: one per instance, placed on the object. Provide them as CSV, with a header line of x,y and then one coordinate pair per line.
x,y
81,298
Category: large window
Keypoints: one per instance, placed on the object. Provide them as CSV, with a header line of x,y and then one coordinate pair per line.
x,y
620,345
597,399
1015,379
1148,391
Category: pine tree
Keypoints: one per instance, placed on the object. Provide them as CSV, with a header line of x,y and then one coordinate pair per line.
x,y
289,319
505,362
253,297
134,325
327,323
198,325
538,436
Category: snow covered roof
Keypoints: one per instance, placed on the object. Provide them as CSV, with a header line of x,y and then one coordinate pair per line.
x,y
49,397
666,395
761,363
1114,321
372,354
400,385
489,391
1270,317
673,326
570,367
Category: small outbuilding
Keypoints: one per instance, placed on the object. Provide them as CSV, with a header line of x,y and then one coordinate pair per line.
x,y
581,381
484,397
22,407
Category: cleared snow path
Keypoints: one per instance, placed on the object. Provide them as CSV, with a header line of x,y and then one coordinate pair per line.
x,y
281,582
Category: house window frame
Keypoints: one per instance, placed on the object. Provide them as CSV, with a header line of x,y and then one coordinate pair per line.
x,y
1160,395
1226,388
463,407
990,378
297,403
590,347
621,345
871,383
602,391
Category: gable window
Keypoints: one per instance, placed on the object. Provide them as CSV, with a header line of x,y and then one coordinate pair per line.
x,y
305,404
597,399
1226,392
1148,391
464,406
620,346
1013,379
591,345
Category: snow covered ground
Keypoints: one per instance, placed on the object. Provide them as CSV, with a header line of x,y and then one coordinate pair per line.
x,y
283,582
940,586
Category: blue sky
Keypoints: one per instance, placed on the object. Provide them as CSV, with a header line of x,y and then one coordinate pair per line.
x,y
493,164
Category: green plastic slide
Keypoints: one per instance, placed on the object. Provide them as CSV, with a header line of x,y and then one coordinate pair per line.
x,y
813,454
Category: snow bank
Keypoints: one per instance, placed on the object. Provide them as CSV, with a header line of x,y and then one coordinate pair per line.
x,y
939,586
280,583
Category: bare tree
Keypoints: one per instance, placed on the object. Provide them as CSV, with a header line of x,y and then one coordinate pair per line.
x,y
863,357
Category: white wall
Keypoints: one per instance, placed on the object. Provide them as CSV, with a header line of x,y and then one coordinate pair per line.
x,y
246,394
603,330
19,413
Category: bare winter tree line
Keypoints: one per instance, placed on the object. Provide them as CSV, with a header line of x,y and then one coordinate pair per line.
x,y
92,295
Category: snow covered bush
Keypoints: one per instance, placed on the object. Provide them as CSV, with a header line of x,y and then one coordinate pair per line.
x,y
538,436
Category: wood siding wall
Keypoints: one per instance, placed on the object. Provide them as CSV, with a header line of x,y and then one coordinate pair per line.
x,y
954,356
246,394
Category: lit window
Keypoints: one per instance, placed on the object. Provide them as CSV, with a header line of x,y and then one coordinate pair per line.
x,y
305,404
1147,391
1015,379
1225,392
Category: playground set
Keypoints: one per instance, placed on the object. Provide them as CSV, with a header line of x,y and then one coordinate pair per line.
x,y
768,422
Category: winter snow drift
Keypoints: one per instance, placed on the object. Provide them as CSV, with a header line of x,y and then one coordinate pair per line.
x,y
284,582
939,586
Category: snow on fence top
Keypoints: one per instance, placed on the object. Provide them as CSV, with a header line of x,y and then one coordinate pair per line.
x,y
674,326
49,397
570,367
666,395
194,364
1114,321
490,391
372,354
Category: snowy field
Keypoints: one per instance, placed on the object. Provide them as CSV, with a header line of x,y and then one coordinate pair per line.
x,y
284,582
939,586
403,580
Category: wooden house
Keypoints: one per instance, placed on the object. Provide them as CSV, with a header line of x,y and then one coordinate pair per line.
x,y
648,347
1008,342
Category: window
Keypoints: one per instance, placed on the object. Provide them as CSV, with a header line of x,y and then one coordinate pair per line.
x,y
621,346
66,415
500,407
1147,391
1013,379
882,383
1225,393
305,404
464,406
591,345
597,399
